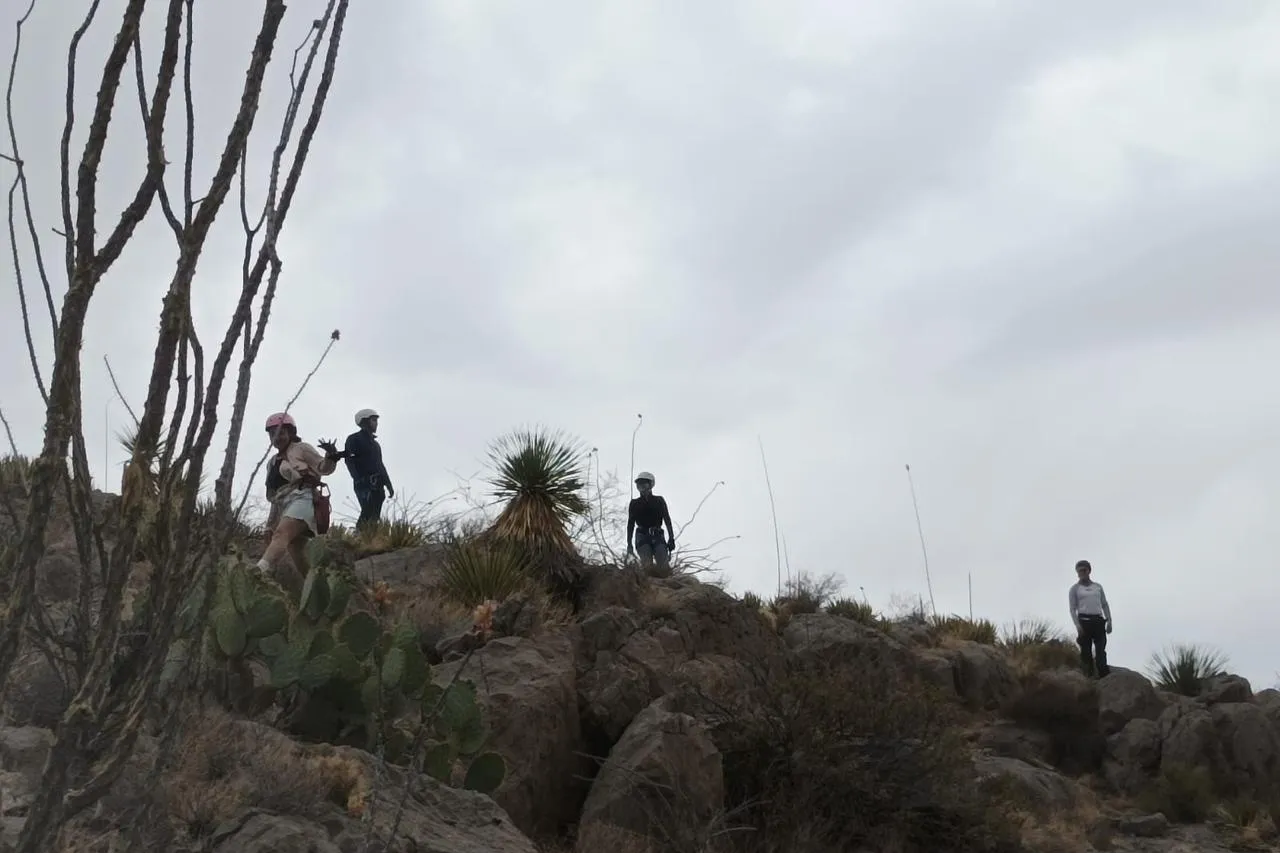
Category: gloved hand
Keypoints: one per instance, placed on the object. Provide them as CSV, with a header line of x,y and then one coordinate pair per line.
x,y
330,449
1108,627
671,544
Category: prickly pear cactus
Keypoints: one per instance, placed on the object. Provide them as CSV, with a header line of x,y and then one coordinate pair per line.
x,y
341,675
460,738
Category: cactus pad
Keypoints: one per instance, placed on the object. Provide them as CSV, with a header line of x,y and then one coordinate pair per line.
x,y
486,773
360,632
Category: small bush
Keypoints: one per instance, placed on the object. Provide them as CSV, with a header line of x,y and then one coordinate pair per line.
x,y
959,628
852,755
753,601
850,608
1185,794
1183,668
475,573
805,593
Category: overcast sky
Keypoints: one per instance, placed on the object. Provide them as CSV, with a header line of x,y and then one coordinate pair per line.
x,y
1029,249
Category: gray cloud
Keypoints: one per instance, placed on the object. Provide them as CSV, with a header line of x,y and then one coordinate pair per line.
x,y
1026,251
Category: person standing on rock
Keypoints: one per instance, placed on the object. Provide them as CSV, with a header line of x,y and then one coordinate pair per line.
x,y
1092,617
369,475
295,473
645,517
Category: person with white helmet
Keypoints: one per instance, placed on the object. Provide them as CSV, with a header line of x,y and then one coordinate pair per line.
x,y
368,473
645,518
293,477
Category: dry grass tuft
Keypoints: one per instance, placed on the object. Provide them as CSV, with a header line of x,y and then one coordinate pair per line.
x,y
225,765
959,628
1082,827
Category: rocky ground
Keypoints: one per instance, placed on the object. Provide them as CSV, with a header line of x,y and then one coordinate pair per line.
x,y
672,716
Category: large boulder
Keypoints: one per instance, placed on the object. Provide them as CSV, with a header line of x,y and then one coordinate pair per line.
x,y
982,676
420,567
1125,695
1250,744
823,639
1188,738
1063,704
1133,756
1009,740
662,781
684,635
1225,688
1040,787
528,691
243,786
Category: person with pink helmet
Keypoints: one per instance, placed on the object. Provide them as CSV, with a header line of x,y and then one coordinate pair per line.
x,y
292,478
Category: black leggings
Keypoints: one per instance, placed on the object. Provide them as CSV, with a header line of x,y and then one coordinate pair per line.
x,y
1093,645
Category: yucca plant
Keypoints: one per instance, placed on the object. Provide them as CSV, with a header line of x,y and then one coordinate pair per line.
x,y
476,572
151,470
1183,668
541,475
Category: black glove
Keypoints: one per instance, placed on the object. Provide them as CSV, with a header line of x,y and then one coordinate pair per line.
x,y
671,544
331,450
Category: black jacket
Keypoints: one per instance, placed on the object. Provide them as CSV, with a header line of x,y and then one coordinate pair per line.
x,y
364,459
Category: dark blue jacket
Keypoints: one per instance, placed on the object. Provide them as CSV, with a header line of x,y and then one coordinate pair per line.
x,y
364,459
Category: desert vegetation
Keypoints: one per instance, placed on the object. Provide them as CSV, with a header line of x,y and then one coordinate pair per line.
x,y
483,679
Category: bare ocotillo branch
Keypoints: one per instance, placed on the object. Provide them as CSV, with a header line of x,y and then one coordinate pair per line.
x,y
161,483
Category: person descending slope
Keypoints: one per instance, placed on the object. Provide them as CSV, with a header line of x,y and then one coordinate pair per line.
x,y
368,473
645,517
1092,616
292,479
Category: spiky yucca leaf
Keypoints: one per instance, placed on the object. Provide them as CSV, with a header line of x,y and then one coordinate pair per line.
x,y
476,572
541,474
128,441
1183,668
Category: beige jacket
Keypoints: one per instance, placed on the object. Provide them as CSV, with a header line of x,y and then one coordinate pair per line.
x,y
302,463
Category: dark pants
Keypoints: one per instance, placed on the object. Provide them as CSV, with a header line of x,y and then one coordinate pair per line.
x,y
370,494
1093,645
651,547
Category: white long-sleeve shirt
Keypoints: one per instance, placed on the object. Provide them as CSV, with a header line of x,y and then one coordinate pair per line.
x,y
1088,599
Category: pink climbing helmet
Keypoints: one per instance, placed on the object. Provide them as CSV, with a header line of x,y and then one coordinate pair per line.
x,y
280,419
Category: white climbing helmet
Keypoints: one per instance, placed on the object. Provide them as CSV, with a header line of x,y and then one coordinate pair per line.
x,y
364,414
645,475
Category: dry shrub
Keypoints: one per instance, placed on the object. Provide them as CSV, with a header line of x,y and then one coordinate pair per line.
x,y
1044,828
434,616
1069,832
1037,645
852,755
806,593
1041,657
223,766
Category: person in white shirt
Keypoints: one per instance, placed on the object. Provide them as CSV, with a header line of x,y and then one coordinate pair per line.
x,y
1092,617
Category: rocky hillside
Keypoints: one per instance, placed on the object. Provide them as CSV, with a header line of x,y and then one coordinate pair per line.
x,y
668,715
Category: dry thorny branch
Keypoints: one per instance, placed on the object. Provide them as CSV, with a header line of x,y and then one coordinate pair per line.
x,y
117,680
